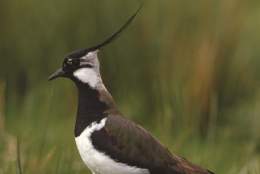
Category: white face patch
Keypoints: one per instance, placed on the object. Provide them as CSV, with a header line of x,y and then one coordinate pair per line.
x,y
91,55
98,162
88,76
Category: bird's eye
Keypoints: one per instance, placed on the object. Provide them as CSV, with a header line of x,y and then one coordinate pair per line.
x,y
73,62
70,64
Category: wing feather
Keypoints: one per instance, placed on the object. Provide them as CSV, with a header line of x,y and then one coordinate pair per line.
x,y
129,143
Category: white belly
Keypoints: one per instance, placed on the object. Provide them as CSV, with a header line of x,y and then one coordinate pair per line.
x,y
98,162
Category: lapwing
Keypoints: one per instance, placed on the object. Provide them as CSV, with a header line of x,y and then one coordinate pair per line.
x,y
108,142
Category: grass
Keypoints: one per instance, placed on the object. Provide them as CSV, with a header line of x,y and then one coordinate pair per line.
x,y
188,71
18,155
46,143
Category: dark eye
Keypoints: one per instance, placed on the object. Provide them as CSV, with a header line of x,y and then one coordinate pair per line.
x,y
70,64
73,62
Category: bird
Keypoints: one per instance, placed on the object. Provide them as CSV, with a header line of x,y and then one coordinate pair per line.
x,y
107,141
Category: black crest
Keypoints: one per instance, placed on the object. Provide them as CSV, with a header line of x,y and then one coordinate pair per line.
x,y
82,52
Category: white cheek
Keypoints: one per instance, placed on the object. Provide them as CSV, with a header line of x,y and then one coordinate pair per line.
x,y
87,76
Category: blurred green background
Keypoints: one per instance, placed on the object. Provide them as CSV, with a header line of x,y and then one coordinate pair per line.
x,y
188,71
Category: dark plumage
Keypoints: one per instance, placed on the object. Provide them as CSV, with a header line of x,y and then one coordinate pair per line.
x,y
113,140
82,52
127,142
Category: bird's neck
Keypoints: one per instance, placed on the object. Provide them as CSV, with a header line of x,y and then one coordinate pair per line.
x,y
93,106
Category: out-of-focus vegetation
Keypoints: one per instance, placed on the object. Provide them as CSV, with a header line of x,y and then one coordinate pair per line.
x,y
186,70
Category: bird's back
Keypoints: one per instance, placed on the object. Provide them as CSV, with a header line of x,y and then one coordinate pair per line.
x,y
131,144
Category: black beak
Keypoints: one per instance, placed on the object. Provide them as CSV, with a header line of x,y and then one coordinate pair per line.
x,y
58,73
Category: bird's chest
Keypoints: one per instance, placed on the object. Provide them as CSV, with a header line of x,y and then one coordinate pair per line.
x,y
98,162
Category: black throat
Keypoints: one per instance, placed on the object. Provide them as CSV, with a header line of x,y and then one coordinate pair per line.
x,y
93,106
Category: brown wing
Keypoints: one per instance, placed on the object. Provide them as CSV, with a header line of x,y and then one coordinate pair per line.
x,y
129,143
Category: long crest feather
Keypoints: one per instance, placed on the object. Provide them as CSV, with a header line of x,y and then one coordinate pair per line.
x,y
82,52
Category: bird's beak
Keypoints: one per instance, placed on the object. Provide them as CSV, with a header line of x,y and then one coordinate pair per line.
x,y
58,73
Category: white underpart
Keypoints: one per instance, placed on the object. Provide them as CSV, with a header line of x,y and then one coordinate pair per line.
x,y
88,76
98,162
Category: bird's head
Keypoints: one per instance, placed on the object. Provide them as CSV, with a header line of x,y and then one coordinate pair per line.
x,y
82,66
